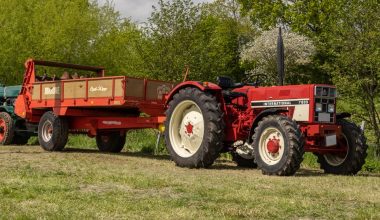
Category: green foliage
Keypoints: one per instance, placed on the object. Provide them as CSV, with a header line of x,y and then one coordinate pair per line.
x,y
145,141
310,161
204,37
67,31
372,165
207,38
313,19
356,67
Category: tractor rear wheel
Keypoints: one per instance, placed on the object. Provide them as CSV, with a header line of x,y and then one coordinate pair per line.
x,y
278,146
195,128
242,162
350,162
112,142
53,132
7,129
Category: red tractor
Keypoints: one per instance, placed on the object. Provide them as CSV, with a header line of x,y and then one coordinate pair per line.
x,y
265,127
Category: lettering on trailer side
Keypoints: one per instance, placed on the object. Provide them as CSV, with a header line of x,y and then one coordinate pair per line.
x,y
52,91
98,89
111,122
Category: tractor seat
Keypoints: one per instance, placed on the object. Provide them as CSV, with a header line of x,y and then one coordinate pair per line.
x,y
227,83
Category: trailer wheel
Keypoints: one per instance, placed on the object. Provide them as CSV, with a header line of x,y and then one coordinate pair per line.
x,y
350,162
242,162
52,132
195,128
110,142
278,146
7,129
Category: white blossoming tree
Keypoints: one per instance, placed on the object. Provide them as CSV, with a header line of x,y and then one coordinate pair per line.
x,y
261,55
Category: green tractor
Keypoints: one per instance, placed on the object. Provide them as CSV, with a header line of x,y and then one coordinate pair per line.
x,y
13,129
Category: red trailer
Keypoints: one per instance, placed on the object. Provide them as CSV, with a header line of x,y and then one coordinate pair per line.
x,y
101,107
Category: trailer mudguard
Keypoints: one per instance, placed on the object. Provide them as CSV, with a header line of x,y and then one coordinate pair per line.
x,y
20,107
203,86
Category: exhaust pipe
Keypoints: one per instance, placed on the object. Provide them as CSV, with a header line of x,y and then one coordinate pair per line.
x,y
280,58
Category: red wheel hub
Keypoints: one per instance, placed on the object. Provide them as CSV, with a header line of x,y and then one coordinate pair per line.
x,y
273,145
189,128
3,127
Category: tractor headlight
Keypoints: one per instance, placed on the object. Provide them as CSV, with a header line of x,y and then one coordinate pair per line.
x,y
331,108
318,107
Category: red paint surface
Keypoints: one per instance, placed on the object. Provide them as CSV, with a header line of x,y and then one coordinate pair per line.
x,y
189,128
273,145
3,127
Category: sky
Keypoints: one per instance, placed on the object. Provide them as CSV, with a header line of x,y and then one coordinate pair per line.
x,y
138,10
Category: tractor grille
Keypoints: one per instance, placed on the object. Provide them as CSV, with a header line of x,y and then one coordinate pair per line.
x,y
324,108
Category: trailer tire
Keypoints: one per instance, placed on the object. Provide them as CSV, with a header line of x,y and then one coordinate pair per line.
x,y
354,159
194,128
282,155
242,162
112,142
7,129
53,132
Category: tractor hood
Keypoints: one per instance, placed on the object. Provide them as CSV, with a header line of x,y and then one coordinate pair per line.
x,y
9,91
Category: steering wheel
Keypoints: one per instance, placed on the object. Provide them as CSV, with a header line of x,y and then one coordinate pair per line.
x,y
258,79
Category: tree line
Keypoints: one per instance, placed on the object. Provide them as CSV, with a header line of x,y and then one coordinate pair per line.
x,y
326,41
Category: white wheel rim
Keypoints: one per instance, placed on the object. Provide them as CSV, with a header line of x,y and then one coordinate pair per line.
x,y
334,159
186,128
47,131
269,156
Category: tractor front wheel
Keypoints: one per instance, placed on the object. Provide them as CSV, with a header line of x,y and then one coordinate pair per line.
x,y
351,161
278,146
53,132
112,142
7,129
195,128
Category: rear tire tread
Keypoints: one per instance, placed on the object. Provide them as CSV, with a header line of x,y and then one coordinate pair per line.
x,y
60,132
210,149
355,159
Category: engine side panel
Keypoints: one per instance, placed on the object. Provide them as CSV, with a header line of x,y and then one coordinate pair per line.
x,y
295,98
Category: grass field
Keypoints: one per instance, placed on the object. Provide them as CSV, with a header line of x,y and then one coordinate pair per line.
x,y
83,183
